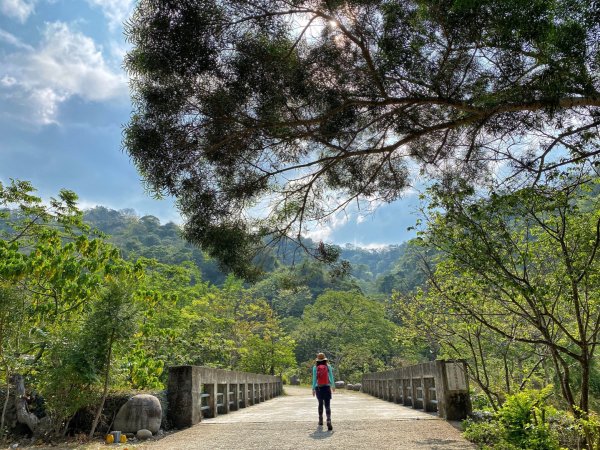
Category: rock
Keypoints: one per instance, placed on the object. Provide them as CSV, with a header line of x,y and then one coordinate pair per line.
x,y
357,387
143,434
340,384
294,381
140,412
350,387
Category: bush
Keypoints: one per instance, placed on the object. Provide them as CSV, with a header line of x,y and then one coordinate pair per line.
x,y
480,401
521,423
483,433
524,418
589,428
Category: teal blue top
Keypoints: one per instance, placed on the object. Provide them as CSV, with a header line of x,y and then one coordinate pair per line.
x,y
314,380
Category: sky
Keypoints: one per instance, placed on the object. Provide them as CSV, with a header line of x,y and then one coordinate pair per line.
x,y
64,100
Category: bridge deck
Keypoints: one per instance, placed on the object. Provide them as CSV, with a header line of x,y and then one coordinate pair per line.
x,y
290,422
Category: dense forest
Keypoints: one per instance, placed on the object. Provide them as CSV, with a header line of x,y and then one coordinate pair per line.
x,y
100,301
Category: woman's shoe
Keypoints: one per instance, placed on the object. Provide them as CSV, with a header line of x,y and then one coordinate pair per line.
x,y
329,426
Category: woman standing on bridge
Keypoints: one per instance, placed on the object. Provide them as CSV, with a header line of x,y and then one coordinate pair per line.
x,y
322,386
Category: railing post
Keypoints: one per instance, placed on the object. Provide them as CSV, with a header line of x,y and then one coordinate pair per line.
x,y
251,394
428,406
243,393
418,386
397,387
212,390
234,393
386,385
407,387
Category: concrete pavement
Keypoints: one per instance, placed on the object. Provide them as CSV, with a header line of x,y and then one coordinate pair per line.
x,y
290,422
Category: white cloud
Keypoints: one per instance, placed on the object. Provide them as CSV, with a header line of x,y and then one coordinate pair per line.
x,y
65,64
13,40
71,62
323,230
371,246
47,102
17,9
115,10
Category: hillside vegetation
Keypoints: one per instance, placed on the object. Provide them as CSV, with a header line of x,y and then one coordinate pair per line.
x,y
102,300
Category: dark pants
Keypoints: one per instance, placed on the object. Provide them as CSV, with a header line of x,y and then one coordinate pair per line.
x,y
324,397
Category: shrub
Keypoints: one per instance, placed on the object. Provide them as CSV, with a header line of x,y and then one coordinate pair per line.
x,y
589,428
521,423
488,433
524,416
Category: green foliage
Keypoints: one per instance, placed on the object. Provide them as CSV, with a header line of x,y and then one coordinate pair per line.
x,y
322,105
271,354
78,319
145,237
588,427
524,417
485,434
521,423
79,352
514,257
144,371
350,328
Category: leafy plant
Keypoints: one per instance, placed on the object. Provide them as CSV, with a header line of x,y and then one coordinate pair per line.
x,y
589,427
521,423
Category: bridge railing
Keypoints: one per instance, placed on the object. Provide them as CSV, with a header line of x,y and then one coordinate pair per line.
x,y
195,392
441,386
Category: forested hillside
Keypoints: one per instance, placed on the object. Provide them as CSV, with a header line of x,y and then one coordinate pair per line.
x,y
375,270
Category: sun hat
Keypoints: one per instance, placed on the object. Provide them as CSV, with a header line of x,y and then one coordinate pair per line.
x,y
321,357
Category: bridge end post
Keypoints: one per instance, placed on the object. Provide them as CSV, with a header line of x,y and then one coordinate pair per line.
x,y
452,389
184,396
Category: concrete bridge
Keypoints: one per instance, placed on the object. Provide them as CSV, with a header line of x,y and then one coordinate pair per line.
x,y
289,421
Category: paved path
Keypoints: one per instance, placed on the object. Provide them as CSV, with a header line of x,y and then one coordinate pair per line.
x,y
290,422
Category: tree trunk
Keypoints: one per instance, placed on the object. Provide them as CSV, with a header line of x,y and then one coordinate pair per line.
x,y
585,386
105,390
562,372
5,407
37,426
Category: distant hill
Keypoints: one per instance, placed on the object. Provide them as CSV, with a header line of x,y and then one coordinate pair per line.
x,y
146,237
376,270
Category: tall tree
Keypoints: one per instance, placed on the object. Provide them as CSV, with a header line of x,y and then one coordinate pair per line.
x,y
315,104
525,265
351,328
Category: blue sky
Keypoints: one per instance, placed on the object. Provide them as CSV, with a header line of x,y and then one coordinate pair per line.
x,y
64,99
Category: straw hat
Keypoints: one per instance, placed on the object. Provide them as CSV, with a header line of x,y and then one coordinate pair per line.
x,y
321,357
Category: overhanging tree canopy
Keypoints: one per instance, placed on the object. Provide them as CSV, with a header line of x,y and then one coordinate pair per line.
x,y
308,106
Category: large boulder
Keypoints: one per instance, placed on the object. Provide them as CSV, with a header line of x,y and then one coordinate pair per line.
x,y
340,384
142,411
